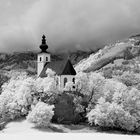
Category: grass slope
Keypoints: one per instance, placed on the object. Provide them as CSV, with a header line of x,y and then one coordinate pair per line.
x,y
106,55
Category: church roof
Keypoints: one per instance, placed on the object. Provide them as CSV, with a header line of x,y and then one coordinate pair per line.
x,y
68,69
60,67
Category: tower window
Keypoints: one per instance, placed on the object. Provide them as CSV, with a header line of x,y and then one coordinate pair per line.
x,y
46,58
65,81
40,59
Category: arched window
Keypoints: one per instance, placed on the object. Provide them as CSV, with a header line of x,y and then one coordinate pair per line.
x,y
46,58
40,59
65,81
73,80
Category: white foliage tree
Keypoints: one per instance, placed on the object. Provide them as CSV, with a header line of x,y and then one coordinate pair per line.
x,y
16,97
131,102
117,108
112,115
41,114
50,73
112,89
89,83
96,84
68,86
82,80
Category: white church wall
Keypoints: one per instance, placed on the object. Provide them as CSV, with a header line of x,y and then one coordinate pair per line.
x,y
41,60
45,57
69,79
39,68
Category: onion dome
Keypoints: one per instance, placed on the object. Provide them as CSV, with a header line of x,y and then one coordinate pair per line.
x,y
44,46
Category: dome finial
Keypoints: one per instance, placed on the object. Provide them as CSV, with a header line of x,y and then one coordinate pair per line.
x,y
43,46
43,39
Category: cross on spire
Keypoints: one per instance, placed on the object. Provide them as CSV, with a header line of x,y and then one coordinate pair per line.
x,y
43,39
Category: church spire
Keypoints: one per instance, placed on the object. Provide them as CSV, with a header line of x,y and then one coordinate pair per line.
x,y
43,46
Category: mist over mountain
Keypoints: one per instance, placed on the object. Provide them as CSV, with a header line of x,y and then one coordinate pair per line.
x,y
110,55
27,60
123,55
90,60
67,24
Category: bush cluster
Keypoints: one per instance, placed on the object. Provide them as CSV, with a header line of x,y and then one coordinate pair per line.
x,y
41,115
104,102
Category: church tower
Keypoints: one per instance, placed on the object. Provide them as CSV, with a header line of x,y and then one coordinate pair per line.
x,y
43,57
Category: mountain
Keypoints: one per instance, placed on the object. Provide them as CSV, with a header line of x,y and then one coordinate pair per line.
x,y
127,49
26,62
123,54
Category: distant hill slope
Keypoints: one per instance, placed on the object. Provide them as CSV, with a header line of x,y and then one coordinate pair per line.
x,y
126,49
26,61
82,60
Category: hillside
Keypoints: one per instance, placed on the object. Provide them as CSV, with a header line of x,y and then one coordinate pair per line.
x,y
100,98
111,56
126,50
26,62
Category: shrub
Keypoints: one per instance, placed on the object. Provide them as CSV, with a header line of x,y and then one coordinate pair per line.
x,y
41,114
46,89
5,99
96,84
131,102
128,54
79,108
112,115
22,92
125,62
90,84
118,108
3,79
107,72
16,98
129,79
113,89
82,82
105,88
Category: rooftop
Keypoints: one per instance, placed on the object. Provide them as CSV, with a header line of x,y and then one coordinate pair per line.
x,y
60,67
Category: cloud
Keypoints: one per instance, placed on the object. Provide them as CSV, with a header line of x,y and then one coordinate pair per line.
x,y
72,24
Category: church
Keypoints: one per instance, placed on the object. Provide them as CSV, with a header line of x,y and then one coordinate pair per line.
x,y
65,71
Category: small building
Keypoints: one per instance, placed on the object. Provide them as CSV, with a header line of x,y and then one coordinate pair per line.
x,y
65,71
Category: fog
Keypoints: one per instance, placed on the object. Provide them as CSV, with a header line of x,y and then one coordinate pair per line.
x,y
67,24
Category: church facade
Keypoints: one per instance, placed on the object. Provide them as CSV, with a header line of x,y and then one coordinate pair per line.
x,y
65,71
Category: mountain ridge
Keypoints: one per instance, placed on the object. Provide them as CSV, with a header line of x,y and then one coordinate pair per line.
x,y
86,61
121,50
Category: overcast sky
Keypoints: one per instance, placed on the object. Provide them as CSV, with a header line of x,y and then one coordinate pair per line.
x,y
66,23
